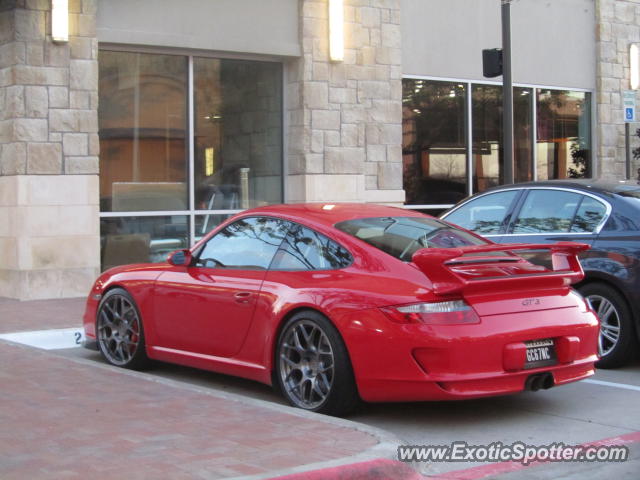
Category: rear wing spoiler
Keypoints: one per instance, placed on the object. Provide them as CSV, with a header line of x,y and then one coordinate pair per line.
x,y
452,269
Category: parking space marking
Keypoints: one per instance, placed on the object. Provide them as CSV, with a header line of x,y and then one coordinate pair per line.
x,y
489,470
624,386
54,339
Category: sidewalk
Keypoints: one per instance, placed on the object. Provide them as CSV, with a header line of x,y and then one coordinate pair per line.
x,y
75,418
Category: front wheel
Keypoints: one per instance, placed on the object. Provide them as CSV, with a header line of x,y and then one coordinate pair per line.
x,y
616,341
119,331
313,367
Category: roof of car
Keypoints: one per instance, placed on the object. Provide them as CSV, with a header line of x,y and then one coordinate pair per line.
x,y
597,185
331,213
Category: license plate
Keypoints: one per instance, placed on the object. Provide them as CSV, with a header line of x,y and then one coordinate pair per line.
x,y
540,353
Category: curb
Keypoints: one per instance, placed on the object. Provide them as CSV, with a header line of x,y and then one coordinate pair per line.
x,y
381,468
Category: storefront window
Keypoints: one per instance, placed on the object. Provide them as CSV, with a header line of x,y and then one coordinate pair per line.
x,y
145,154
563,140
487,134
486,113
522,134
237,137
436,156
434,142
143,124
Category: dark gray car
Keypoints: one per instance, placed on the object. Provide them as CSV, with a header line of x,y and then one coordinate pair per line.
x,y
606,215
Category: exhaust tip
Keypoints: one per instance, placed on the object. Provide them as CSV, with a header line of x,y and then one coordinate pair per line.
x,y
539,381
532,383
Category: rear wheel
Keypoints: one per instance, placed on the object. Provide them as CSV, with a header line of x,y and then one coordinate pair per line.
x,y
313,367
119,331
616,342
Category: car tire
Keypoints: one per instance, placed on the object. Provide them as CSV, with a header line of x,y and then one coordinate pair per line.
x,y
617,341
119,331
312,366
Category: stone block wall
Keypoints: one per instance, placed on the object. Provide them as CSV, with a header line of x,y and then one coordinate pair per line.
x,y
49,238
618,25
345,118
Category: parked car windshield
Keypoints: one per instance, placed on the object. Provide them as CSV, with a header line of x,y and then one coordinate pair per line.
x,y
401,237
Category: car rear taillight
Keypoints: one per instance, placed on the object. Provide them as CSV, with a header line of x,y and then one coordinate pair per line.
x,y
452,312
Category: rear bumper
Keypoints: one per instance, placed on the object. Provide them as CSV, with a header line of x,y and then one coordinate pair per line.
x,y
460,389
394,362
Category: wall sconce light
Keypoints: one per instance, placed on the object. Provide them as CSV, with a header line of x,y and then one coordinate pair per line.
x,y
60,20
634,66
336,30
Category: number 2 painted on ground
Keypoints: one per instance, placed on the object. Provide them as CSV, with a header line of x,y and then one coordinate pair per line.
x,y
78,336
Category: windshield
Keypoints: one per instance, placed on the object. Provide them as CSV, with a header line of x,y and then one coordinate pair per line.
x,y
403,236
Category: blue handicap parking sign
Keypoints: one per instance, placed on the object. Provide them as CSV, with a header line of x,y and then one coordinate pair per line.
x,y
628,113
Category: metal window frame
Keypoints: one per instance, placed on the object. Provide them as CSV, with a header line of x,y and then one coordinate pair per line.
x,y
190,55
534,131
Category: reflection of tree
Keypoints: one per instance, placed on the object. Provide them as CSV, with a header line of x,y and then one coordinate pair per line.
x,y
223,250
536,224
487,226
266,230
313,250
636,154
579,158
587,222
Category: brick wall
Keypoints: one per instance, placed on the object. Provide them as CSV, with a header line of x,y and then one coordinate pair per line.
x,y
345,118
48,151
618,25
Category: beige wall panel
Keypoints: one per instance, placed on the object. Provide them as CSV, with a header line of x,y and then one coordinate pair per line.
x,y
248,26
553,42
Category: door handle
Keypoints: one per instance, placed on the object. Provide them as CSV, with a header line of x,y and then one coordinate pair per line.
x,y
242,297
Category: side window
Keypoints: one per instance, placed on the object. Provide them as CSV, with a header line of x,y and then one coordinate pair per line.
x,y
547,211
249,244
485,214
305,249
589,215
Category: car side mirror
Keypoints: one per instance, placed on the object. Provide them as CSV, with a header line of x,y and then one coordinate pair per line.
x,y
180,258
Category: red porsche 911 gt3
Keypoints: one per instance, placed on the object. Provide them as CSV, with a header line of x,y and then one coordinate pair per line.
x,y
336,303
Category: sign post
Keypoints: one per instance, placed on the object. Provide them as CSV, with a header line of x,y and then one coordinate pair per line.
x,y
507,93
629,113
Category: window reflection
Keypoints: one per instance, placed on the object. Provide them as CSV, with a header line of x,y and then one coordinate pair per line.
x,y
488,154
205,223
401,237
305,249
487,136
547,211
589,216
249,243
522,134
486,214
141,239
142,119
564,140
434,142
238,133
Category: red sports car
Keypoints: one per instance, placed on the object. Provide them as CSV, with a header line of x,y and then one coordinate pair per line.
x,y
337,303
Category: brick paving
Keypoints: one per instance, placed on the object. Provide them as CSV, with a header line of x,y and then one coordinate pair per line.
x,y
16,316
72,418
62,418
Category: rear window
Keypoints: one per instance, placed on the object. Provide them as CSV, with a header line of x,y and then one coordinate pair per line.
x,y
401,237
